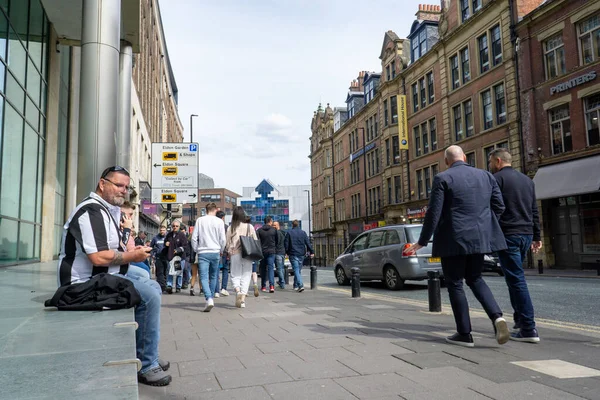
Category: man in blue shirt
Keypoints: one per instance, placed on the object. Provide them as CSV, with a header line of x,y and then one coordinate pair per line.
x,y
296,247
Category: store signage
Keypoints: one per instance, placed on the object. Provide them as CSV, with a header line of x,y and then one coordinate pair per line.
x,y
416,212
370,226
571,83
359,153
402,122
174,173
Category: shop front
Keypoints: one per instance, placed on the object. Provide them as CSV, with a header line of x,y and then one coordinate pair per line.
x,y
570,195
416,215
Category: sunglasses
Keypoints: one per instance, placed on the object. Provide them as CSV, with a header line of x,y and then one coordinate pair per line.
x,y
114,168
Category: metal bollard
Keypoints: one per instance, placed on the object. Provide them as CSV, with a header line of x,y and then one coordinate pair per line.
x,y
433,286
540,267
355,281
313,277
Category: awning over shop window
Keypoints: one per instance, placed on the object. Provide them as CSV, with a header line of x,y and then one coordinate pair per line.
x,y
569,178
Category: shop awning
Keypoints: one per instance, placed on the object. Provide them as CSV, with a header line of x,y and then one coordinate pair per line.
x,y
569,178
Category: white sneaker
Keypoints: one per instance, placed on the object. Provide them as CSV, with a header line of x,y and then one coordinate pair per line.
x,y
238,300
209,305
216,295
243,305
224,292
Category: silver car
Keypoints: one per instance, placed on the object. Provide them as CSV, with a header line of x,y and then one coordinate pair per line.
x,y
380,254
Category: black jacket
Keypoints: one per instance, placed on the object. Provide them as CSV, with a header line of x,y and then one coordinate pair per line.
x,y
463,213
281,243
296,243
521,216
268,239
177,243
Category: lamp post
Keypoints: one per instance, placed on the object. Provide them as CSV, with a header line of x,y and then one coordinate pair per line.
x,y
193,205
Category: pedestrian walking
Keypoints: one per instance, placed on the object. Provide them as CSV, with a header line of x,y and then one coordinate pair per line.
x,y
248,220
220,288
280,255
268,240
208,241
464,208
175,244
241,268
520,224
160,257
297,246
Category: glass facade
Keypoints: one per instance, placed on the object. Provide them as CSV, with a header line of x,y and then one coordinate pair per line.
x,y
23,90
265,205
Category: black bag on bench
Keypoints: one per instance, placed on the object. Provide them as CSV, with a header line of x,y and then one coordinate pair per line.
x,y
103,291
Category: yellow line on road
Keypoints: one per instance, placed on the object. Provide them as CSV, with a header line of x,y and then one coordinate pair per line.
x,y
477,312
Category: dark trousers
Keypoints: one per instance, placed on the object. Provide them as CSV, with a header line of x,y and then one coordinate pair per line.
x,y
161,268
267,270
468,268
511,261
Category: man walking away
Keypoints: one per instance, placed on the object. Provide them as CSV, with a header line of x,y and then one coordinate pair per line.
x,y
520,224
268,240
221,287
161,265
464,209
208,241
175,244
296,246
280,255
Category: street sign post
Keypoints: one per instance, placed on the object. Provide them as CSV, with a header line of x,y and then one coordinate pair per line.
x,y
174,173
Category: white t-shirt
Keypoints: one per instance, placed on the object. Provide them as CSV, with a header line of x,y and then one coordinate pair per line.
x,y
209,235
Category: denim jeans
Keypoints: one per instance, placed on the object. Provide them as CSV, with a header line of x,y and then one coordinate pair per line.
x,y
208,267
511,261
147,315
296,262
224,268
141,265
469,268
187,272
279,264
267,268
135,270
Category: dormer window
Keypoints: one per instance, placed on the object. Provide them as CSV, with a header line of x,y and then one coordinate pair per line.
x,y
393,68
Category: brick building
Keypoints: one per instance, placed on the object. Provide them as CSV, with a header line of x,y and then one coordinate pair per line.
x,y
458,75
559,57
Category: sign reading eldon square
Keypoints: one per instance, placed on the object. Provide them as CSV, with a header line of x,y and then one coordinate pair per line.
x,y
175,173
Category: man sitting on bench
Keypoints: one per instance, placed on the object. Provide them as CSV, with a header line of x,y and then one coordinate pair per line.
x,y
91,244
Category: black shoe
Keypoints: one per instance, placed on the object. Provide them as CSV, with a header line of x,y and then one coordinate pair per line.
x,y
169,290
177,290
461,340
184,286
301,289
192,293
165,365
529,337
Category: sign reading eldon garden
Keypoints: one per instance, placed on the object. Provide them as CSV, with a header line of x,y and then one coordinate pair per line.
x,y
174,173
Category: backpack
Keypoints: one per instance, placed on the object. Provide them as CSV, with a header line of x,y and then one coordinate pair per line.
x,y
102,292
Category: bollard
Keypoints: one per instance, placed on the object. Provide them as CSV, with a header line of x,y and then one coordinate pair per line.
x,y
313,277
433,286
540,267
355,281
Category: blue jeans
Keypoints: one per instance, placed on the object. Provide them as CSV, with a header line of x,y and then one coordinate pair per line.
x,y
141,265
279,264
179,277
297,262
511,261
468,268
208,267
147,315
224,268
187,272
267,265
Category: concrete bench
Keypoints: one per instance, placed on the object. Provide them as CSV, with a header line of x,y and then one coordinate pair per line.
x,y
50,354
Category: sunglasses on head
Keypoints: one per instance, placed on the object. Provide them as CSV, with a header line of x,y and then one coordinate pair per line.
x,y
114,168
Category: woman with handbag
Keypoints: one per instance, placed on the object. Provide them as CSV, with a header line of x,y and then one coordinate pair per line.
x,y
241,246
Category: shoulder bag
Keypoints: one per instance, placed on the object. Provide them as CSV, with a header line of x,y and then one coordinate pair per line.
x,y
251,248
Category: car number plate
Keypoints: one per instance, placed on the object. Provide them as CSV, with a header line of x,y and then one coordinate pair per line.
x,y
434,259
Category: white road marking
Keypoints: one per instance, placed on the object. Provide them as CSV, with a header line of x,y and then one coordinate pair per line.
x,y
559,369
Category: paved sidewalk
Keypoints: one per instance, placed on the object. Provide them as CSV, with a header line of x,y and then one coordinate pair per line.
x,y
323,344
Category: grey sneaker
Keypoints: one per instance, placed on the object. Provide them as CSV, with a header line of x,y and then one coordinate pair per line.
x,y
165,365
155,377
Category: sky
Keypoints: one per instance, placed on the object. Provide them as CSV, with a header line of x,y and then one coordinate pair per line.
x,y
254,71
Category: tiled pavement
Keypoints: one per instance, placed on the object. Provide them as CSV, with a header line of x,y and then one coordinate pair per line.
x,y
323,344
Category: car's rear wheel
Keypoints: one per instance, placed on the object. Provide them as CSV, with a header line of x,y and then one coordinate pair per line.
x,y
392,279
340,276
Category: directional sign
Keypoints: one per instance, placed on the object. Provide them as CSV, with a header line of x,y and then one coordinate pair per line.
x,y
174,173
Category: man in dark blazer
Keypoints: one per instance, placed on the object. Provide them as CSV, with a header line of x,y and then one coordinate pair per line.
x,y
464,208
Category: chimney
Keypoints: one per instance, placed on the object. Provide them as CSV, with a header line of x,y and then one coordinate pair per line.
x,y
429,12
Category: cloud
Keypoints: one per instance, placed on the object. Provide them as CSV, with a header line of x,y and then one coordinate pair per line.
x,y
277,127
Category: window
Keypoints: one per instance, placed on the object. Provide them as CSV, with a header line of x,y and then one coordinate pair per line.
x,y
488,150
385,113
415,96
425,138
424,180
422,89
471,159
476,6
427,181
360,243
376,239
589,39
464,63
397,189
391,237
373,163
592,113
388,77
496,44
430,88
389,190
374,195
417,134
554,56
328,184
560,130
394,109
393,69
465,10
354,172
458,125
468,113
395,149
351,108
455,72
420,193
328,158
418,44
433,134
484,55
387,152
486,103
355,199
500,104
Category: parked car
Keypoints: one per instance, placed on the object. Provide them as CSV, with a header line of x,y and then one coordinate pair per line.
x,y
381,255
491,263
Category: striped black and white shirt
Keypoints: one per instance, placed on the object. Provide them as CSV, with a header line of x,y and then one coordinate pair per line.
x,y
91,227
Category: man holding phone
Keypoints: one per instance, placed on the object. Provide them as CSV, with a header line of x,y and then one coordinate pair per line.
x,y
92,244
